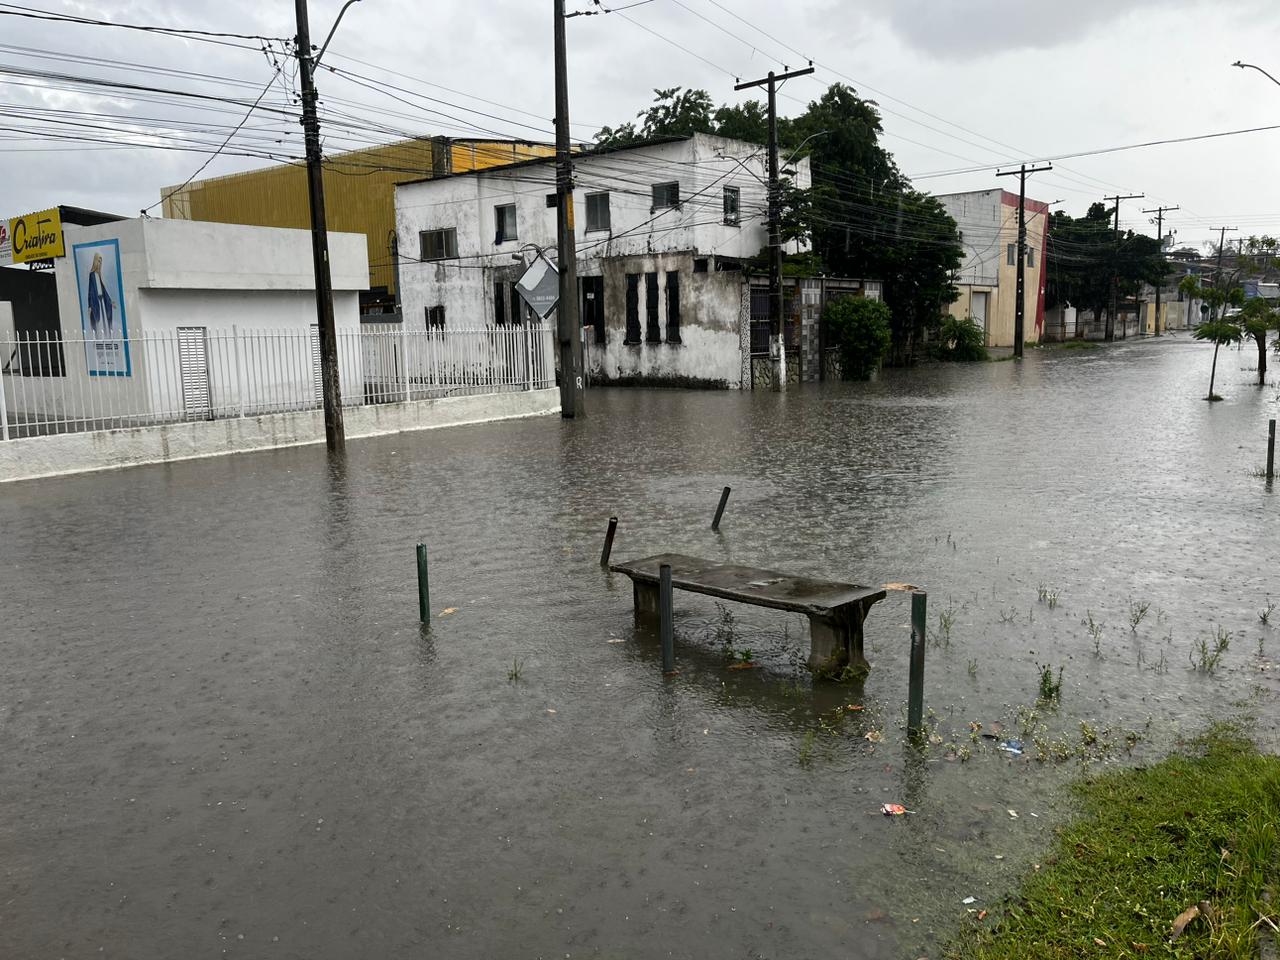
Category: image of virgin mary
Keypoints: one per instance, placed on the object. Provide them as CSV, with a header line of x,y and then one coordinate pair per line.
x,y
100,305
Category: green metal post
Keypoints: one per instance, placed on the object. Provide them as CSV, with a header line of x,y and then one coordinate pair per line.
x,y
1271,451
915,681
666,617
424,591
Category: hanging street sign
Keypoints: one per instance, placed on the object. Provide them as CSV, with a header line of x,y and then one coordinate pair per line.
x,y
539,287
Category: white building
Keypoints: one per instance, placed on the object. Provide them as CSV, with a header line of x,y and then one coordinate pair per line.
x,y
157,318
662,232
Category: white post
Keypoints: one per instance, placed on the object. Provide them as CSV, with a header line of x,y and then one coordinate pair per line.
x,y
235,353
404,360
4,411
528,353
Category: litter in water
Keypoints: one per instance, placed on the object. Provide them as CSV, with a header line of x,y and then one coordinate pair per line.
x,y
968,900
893,809
1013,747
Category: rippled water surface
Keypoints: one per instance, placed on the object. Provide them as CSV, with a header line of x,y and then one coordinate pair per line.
x,y
225,733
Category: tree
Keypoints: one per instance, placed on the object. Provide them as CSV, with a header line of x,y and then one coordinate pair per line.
x,y
1216,329
1257,319
860,330
1083,257
674,113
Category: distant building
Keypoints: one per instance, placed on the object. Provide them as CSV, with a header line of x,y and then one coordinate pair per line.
x,y
665,230
359,195
988,222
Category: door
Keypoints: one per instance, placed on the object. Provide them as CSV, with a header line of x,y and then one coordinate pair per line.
x,y
593,307
193,364
978,308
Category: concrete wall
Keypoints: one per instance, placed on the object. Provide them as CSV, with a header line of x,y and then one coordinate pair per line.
x,y
708,353
37,457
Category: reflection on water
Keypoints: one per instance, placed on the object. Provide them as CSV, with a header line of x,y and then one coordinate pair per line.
x,y
222,721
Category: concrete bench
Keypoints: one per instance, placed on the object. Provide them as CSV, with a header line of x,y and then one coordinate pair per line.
x,y
835,610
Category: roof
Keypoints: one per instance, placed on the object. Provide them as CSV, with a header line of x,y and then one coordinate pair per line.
x,y
597,152
83,217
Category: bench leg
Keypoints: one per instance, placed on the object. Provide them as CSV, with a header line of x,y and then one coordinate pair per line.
x,y
646,597
835,643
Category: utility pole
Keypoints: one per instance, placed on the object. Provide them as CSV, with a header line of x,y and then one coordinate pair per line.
x,y
1217,277
1159,212
1020,303
335,436
1115,270
572,401
777,328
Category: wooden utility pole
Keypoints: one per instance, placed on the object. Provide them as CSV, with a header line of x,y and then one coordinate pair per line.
x,y
777,328
569,333
1021,286
1217,276
334,433
1159,212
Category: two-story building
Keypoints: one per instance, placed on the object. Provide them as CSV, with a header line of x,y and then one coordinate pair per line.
x,y
988,222
663,230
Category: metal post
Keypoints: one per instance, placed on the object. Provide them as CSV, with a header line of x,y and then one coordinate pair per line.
x,y
572,402
915,681
724,498
1271,450
4,412
335,435
424,591
665,618
608,541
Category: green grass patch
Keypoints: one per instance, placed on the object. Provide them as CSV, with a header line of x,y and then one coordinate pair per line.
x,y
1200,828
1079,345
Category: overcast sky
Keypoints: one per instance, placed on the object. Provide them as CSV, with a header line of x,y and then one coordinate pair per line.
x,y
961,83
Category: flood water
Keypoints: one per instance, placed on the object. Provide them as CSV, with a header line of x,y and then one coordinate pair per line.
x,y
225,734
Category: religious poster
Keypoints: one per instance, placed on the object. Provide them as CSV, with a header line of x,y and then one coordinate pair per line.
x,y
101,291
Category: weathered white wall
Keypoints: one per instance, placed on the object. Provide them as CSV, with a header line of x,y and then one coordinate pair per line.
x,y
37,457
702,165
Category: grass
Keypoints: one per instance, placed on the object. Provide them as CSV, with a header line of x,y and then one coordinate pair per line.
x,y
1050,689
1206,651
1137,611
1197,828
1079,345
1264,615
517,667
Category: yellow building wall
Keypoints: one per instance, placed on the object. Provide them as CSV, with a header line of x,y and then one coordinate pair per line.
x,y
359,189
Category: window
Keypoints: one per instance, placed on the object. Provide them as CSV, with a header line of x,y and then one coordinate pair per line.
x,y
700,265
597,212
504,218
633,309
653,332
666,195
1011,254
435,317
1031,256
593,306
732,199
499,302
673,308
553,201
439,244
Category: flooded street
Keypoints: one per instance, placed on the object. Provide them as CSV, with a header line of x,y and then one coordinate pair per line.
x,y
226,734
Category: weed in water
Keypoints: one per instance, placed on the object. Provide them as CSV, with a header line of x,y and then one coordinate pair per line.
x,y
1161,665
1207,651
1031,615
1042,592
1265,613
1050,689
1261,641
1046,595
972,666
1088,734
1137,610
1095,631
806,748
517,667
946,620
747,655
1008,616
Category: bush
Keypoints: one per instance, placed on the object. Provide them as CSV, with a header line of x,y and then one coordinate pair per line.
x,y
959,338
860,329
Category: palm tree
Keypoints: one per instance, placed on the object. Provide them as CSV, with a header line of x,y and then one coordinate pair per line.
x,y
1220,332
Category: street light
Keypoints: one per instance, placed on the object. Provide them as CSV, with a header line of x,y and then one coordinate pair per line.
x,y
1253,66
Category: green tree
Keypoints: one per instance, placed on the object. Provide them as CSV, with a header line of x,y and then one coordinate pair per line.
x,y
1083,257
1216,329
1257,319
675,112
745,121
960,338
860,329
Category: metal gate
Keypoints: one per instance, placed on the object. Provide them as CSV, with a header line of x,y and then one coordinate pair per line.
x,y
317,374
193,364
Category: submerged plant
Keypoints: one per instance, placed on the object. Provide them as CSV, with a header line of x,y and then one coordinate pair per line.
x,y
972,666
517,667
1137,610
1265,613
1050,689
1207,651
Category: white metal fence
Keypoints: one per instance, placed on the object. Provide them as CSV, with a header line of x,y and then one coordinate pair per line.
x,y
53,385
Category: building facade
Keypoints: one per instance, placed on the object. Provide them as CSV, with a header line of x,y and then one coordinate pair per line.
x,y
359,194
664,234
987,279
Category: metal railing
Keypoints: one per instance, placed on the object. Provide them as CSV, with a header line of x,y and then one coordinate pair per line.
x,y
55,385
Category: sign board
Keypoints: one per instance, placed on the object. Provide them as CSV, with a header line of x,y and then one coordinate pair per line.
x,y
100,290
6,248
539,287
37,236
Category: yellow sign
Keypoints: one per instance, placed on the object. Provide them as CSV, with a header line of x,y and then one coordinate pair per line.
x,y
37,236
